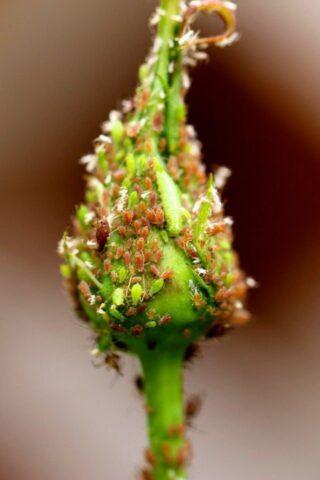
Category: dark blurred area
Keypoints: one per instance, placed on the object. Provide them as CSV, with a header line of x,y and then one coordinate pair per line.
x,y
256,107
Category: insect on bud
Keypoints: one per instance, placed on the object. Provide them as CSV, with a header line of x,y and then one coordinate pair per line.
x,y
149,258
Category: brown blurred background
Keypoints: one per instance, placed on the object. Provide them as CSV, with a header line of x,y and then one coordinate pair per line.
x,y
256,106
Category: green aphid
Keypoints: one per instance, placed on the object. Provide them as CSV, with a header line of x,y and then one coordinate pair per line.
x,y
66,270
156,286
118,297
122,274
136,293
151,324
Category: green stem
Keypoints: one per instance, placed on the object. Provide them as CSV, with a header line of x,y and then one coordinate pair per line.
x,y
163,93
170,53
162,370
166,31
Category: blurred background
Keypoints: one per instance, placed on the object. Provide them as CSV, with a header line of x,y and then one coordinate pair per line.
x,y
256,107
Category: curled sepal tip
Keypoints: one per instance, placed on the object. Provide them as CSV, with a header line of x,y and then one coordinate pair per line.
x,y
225,10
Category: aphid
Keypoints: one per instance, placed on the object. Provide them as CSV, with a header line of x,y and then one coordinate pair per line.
x,y
148,183
112,360
191,352
131,312
217,330
150,215
119,253
127,258
137,226
146,474
139,261
223,294
173,167
186,333
157,122
167,275
165,319
142,307
142,207
154,271
183,454
139,383
142,99
136,279
137,330
107,265
119,175
147,256
177,430
85,290
102,234
144,232
157,256
114,276
153,198
133,128
127,216
122,231
145,222
118,328
136,293
162,144
192,408
240,317
115,190
151,313
155,245
140,244
198,300
192,252
166,452
138,189
149,456
216,228
156,286
159,216
240,290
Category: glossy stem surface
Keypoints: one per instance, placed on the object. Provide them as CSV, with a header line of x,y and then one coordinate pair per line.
x,y
163,389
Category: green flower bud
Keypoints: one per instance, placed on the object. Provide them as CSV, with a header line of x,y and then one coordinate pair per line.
x,y
149,258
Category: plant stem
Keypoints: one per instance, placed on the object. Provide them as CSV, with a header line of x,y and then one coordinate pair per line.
x,y
166,31
162,370
166,84
170,53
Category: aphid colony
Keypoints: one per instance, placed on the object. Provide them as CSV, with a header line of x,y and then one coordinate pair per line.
x,y
150,248
148,257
